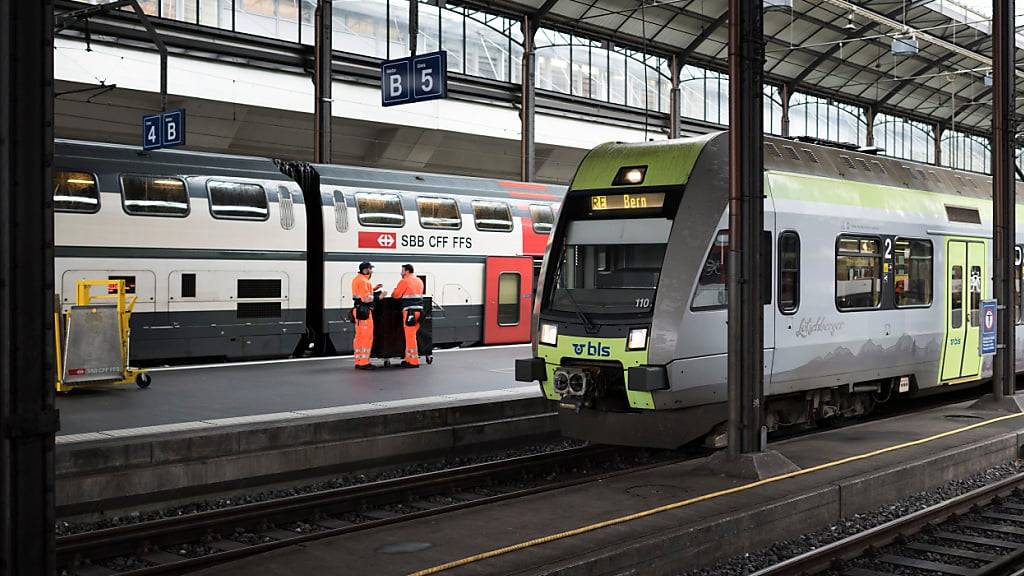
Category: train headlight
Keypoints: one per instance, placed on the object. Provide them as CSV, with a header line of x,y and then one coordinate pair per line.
x,y
637,339
549,334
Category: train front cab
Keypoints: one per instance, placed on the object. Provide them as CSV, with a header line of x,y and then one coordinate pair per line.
x,y
599,290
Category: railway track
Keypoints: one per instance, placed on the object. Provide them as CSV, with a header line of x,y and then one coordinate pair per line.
x,y
980,533
179,544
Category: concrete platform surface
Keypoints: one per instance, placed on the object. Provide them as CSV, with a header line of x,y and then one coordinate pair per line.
x,y
669,542
222,391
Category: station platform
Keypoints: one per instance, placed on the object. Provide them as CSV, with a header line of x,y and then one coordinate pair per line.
x,y
182,398
198,431
667,520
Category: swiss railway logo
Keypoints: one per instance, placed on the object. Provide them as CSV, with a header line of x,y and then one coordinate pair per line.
x,y
378,240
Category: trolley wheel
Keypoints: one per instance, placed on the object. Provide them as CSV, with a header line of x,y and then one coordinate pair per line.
x,y
387,363
143,380
430,359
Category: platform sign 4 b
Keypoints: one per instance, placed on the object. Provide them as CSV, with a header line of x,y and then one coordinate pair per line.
x,y
163,130
414,79
988,327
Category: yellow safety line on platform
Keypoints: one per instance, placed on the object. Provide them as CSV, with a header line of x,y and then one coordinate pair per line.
x,y
696,499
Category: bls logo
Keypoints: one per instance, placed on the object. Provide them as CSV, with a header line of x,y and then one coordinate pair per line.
x,y
592,349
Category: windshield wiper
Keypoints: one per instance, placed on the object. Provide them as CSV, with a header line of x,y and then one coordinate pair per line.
x,y
588,324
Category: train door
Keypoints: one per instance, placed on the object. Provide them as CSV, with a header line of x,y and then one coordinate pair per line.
x,y
965,273
508,294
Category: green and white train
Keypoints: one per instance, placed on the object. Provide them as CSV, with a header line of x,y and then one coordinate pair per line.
x,y
877,271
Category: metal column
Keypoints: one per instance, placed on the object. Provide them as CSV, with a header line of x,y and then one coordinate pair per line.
x,y
27,416
414,25
938,144
1003,193
869,120
675,105
784,94
527,113
323,78
746,221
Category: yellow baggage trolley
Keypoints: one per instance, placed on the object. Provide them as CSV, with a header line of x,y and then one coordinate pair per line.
x,y
92,342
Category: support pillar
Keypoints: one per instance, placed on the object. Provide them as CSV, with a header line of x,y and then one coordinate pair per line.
x,y
323,78
746,456
27,416
414,25
938,143
785,93
869,121
1003,208
527,112
675,102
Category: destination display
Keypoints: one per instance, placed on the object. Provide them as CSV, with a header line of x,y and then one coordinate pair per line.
x,y
638,201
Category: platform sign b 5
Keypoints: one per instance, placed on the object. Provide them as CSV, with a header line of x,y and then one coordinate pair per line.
x,y
414,79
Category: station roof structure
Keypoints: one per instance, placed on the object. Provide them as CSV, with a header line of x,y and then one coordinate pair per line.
x,y
833,48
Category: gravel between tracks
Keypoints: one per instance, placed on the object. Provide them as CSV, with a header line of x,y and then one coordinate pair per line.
x,y
68,528
775,553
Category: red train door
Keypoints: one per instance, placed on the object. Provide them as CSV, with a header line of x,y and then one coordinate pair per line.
x,y
508,299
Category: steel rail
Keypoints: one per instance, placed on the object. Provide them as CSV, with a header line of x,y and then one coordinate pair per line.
x,y
824,558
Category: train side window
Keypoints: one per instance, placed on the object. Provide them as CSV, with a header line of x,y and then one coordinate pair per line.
x,y
188,285
75,192
491,216
543,218
286,205
789,272
858,273
913,272
439,213
340,212
154,196
509,284
713,283
956,289
238,201
975,290
380,209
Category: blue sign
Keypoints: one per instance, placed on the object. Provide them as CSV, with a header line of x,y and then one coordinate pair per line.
x,y
152,132
163,130
988,327
414,79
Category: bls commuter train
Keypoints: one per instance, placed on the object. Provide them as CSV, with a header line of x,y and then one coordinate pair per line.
x,y
878,269
241,257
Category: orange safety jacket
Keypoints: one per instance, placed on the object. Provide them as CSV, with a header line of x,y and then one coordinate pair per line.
x,y
408,287
362,289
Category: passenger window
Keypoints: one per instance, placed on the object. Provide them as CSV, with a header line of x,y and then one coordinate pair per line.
x,y
543,218
789,272
508,298
129,284
340,212
378,209
712,284
75,192
439,213
154,196
492,216
188,285
913,272
237,201
286,206
858,273
956,289
975,294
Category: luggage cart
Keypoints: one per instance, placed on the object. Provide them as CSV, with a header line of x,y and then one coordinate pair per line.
x,y
389,335
92,342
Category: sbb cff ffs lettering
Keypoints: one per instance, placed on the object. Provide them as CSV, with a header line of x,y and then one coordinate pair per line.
x,y
420,241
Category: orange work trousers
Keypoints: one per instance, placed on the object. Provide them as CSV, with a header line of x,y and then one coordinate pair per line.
x,y
412,352
363,342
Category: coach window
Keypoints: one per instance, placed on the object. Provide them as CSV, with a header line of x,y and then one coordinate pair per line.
x,y
789,272
509,284
75,192
154,196
543,218
340,212
858,273
238,201
975,290
712,284
913,273
492,216
439,213
379,209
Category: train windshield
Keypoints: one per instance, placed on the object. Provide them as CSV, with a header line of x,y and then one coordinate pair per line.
x,y
607,278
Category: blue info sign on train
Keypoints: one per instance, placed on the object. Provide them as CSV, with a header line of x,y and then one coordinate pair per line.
x,y
988,327
414,79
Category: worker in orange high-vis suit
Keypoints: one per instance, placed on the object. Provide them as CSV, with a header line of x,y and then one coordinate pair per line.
x,y
410,290
362,315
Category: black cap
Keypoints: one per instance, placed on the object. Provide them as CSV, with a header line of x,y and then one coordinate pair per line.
x,y
364,266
